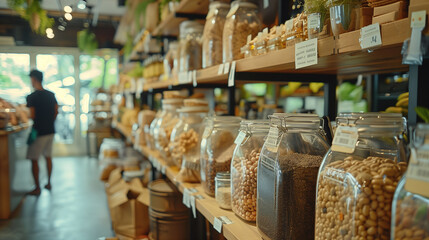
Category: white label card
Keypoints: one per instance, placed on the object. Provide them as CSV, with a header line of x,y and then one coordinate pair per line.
x,y
272,138
240,137
418,19
417,177
183,78
306,53
226,68
219,221
313,21
345,139
186,198
194,209
289,25
231,78
220,69
194,78
370,36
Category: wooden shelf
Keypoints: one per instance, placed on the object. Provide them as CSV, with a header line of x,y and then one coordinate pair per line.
x,y
14,129
342,56
207,206
170,25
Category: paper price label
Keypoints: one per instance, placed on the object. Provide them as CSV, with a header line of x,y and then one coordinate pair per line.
x,y
289,24
220,69
272,138
370,36
231,78
194,209
194,78
417,177
226,68
240,137
306,53
190,77
345,139
186,198
219,221
183,78
418,19
313,21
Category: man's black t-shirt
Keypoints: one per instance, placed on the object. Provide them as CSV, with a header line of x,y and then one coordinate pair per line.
x,y
44,103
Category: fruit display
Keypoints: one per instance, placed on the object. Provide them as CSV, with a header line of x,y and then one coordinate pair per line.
x,y
12,114
401,105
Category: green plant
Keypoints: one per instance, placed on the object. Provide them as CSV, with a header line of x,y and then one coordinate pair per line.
x,y
140,11
86,41
128,47
31,11
423,113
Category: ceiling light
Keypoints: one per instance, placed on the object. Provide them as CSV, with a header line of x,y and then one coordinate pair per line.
x,y
67,9
68,16
49,31
61,28
51,35
81,4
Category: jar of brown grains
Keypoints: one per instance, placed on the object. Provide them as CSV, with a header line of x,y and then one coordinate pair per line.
x,y
287,176
359,175
217,148
244,167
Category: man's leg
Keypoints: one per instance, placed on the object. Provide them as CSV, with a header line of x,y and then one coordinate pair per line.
x,y
49,167
35,171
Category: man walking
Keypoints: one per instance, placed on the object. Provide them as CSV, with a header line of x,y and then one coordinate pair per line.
x,y
44,110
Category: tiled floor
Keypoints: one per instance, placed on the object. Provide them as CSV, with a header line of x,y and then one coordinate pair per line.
x,y
75,209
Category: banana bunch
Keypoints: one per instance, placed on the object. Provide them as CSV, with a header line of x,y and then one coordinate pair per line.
x,y
401,105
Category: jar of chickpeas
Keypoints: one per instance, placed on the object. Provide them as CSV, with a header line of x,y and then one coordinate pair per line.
x,y
244,167
359,175
411,201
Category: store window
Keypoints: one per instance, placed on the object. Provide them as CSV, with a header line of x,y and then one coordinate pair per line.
x,y
59,78
15,83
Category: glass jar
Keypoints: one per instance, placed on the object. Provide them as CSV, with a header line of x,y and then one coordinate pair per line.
x,y
171,60
223,190
217,148
358,177
244,167
242,21
287,176
165,126
410,213
150,131
145,118
186,135
213,30
191,48
111,148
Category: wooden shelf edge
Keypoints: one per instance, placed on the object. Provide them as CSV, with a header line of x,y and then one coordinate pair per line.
x,y
207,206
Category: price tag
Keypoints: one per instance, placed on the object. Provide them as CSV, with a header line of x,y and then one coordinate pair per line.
x,y
417,178
418,19
194,209
370,36
220,70
231,78
313,21
272,138
289,25
306,53
240,137
345,139
219,221
190,76
418,22
194,78
186,198
183,78
226,68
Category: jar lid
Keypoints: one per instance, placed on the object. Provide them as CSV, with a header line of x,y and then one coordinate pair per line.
x,y
226,119
216,4
196,109
133,174
186,25
173,94
370,118
244,4
223,175
295,120
195,102
172,101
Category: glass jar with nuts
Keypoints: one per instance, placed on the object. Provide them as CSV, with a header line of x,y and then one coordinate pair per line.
x,y
359,175
287,176
212,36
191,48
217,148
244,167
185,142
410,213
242,20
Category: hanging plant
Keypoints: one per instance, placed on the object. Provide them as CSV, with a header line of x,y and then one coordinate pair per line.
x,y
31,11
86,41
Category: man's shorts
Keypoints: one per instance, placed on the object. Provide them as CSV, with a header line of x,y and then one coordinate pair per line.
x,y
42,145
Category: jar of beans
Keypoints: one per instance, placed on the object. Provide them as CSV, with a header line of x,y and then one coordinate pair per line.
x,y
410,211
217,148
242,20
359,175
244,167
287,176
186,138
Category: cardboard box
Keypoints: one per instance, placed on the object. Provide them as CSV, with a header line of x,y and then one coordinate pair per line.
x,y
395,32
348,42
363,17
398,7
386,18
326,46
129,210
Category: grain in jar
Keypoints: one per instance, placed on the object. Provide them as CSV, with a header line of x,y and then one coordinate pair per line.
x,y
410,211
223,190
217,148
191,48
359,176
244,167
212,36
242,21
287,176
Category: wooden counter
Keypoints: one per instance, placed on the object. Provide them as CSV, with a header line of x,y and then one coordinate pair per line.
x,y
15,170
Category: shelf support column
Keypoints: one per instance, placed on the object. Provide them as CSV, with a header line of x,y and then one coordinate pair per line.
x,y
231,101
330,108
418,90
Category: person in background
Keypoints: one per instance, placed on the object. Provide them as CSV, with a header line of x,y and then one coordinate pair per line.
x,y
43,110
